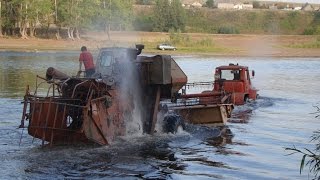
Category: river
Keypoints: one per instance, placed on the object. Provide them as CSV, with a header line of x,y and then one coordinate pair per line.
x,y
281,117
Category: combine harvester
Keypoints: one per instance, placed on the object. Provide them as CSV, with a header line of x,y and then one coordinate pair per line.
x,y
98,109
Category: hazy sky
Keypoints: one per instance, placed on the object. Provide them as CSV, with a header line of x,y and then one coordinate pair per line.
x,y
297,1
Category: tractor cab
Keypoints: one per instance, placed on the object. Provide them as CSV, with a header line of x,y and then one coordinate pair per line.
x,y
235,79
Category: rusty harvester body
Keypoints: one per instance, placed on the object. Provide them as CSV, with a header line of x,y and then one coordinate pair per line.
x,y
97,109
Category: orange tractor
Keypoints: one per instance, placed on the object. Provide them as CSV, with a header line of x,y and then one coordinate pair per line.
x,y
236,80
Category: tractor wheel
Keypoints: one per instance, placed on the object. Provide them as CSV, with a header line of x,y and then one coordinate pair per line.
x,y
172,123
246,99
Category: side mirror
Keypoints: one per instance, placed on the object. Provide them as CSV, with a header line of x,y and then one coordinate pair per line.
x,y
253,73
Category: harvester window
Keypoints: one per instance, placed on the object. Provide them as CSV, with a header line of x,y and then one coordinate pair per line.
x,y
106,60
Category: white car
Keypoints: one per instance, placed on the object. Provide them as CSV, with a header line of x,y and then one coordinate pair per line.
x,y
166,47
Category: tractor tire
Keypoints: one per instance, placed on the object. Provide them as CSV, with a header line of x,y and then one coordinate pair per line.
x,y
246,99
172,123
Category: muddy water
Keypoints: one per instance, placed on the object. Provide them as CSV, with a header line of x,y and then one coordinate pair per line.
x,y
282,117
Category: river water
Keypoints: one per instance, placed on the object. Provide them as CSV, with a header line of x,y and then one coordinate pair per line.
x,y
281,117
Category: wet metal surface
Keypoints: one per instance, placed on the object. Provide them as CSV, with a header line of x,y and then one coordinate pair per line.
x,y
254,149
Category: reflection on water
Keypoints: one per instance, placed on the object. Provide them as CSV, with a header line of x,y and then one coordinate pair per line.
x,y
20,69
251,146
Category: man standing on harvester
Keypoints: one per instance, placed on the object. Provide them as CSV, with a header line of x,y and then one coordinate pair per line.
x,y
87,59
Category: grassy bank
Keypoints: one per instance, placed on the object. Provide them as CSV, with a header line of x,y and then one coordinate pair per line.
x,y
253,22
257,21
313,44
186,43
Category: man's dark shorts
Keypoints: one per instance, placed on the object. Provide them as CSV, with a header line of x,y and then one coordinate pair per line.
x,y
90,72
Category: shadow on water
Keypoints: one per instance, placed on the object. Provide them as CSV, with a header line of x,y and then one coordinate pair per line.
x,y
130,158
145,157
243,113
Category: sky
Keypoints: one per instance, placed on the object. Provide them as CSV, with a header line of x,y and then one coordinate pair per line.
x,y
297,1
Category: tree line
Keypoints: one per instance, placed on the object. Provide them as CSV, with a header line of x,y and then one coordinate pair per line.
x,y
69,18
25,18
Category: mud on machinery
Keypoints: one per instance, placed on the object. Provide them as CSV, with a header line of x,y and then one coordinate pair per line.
x,y
97,109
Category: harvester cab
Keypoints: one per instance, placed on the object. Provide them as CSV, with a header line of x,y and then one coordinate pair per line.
x,y
113,62
141,80
235,79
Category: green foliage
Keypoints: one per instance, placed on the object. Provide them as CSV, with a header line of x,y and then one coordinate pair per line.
x,y
161,16
310,158
122,13
312,30
228,30
200,21
309,31
210,3
145,2
289,23
179,39
206,42
165,15
256,4
168,15
143,23
314,44
176,37
10,14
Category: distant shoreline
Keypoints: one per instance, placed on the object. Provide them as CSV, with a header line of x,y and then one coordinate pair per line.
x,y
232,45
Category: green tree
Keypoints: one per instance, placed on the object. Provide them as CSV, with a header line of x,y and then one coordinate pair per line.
x,y
40,12
210,3
23,14
145,2
16,14
122,14
178,16
23,11
256,4
0,18
113,15
6,17
168,15
161,15
76,14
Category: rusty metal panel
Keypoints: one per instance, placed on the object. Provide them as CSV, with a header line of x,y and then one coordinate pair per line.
x,y
103,124
94,126
48,121
237,98
200,114
179,78
160,70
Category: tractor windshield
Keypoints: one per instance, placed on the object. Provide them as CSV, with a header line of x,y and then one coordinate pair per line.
x,y
230,75
106,59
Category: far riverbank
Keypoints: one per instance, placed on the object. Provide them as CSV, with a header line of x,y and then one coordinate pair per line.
x,y
224,45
